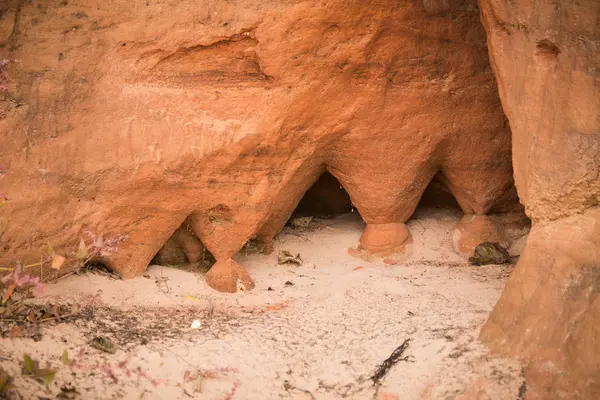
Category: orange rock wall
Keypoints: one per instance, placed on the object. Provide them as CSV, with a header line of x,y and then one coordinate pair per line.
x,y
126,117
546,56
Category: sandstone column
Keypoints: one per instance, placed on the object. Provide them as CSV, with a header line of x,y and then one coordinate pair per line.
x,y
226,275
545,57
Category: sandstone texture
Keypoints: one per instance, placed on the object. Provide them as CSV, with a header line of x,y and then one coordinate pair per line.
x,y
473,230
546,56
176,128
127,118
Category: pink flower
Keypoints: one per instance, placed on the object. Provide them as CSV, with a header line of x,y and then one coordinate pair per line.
x,y
15,278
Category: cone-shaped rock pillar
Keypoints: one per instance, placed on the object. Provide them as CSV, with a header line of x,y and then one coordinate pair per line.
x,y
229,276
225,275
384,238
473,230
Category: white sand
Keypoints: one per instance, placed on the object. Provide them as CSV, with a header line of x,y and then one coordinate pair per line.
x,y
321,338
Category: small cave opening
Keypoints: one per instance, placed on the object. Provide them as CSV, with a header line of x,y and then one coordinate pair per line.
x,y
100,266
184,250
438,210
437,195
325,204
325,199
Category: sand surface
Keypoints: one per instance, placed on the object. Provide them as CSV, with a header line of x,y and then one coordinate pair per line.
x,y
315,331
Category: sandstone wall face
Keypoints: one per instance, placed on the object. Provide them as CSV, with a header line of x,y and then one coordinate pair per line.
x,y
546,59
127,117
546,56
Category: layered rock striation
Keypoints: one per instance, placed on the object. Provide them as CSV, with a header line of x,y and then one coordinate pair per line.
x,y
126,119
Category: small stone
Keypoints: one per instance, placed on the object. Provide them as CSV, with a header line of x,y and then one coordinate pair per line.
x,y
104,344
301,222
196,324
489,253
285,257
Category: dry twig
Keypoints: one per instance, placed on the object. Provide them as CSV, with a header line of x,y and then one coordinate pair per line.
x,y
385,366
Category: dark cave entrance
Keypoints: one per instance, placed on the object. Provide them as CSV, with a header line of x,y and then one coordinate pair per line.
x,y
184,250
326,198
437,195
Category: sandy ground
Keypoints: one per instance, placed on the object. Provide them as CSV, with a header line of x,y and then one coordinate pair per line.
x,y
315,331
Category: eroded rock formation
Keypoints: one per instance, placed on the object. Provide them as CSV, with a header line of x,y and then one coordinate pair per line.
x,y
126,120
546,57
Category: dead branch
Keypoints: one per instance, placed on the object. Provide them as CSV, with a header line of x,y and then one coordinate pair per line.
x,y
394,358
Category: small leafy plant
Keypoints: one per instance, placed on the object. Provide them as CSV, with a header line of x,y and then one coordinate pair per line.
x,y
96,247
43,375
6,383
16,279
